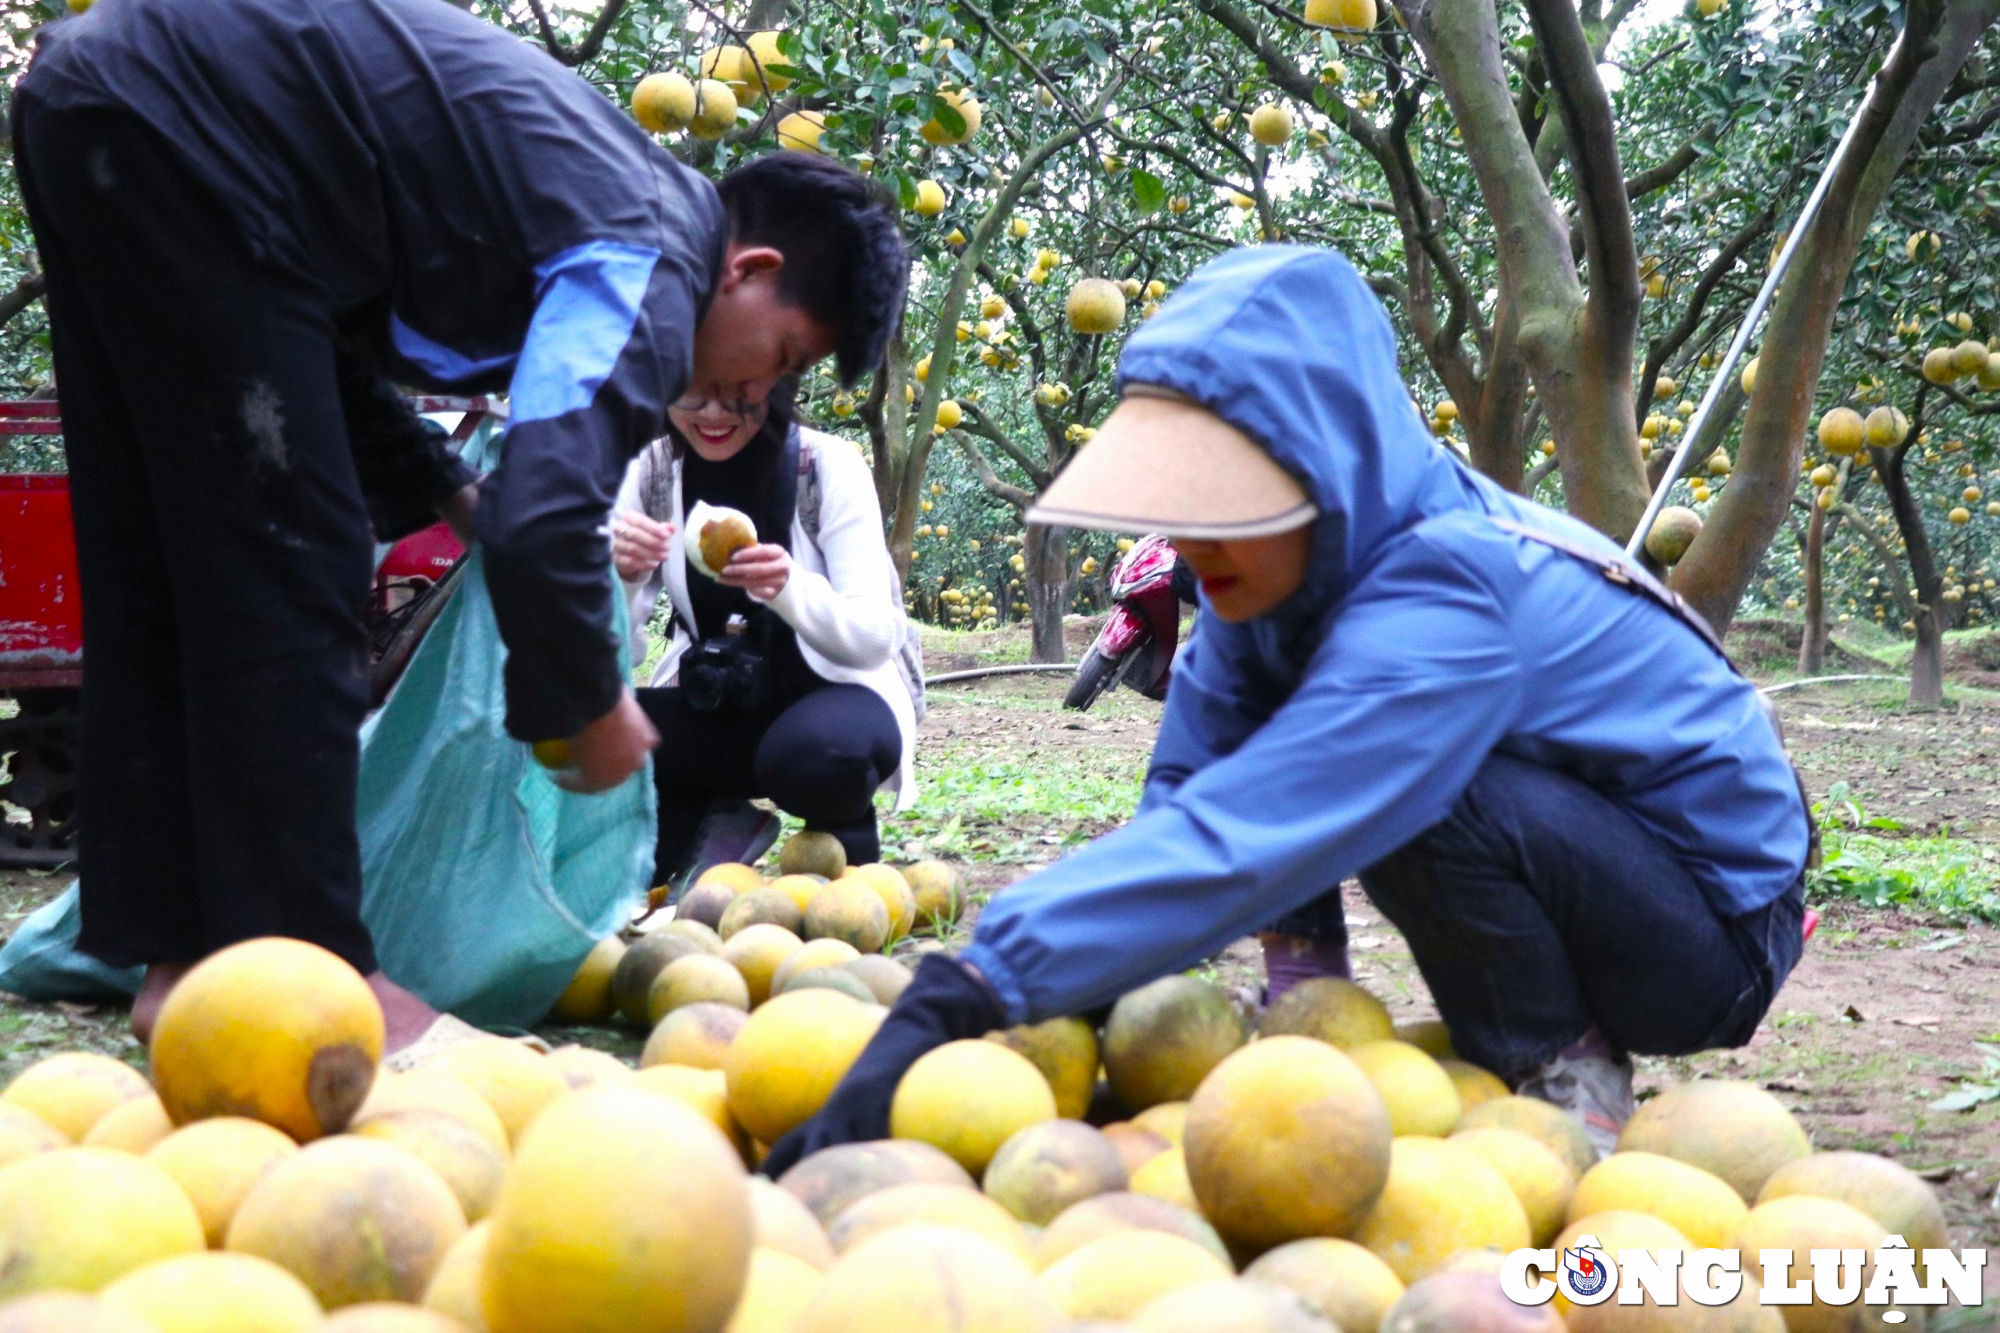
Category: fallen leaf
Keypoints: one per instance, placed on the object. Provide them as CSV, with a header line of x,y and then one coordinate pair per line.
x,y
1850,1012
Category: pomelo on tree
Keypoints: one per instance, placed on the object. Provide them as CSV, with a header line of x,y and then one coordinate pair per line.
x,y
1351,20
1842,431
1887,427
661,103
1095,306
967,1098
715,106
765,51
1940,365
1270,125
967,108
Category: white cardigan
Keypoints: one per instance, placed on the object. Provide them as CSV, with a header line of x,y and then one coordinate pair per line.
x,y
840,599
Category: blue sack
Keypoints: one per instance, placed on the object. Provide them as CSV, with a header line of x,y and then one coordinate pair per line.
x,y
483,883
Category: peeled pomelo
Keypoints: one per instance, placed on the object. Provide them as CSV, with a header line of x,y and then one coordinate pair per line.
x,y
927,1279
969,1097
216,1162
78,1219
698,1035
70,1092
216,1292
274,1029
1163,1038
625,1212
354,1219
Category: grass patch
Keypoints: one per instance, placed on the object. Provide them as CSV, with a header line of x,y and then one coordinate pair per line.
x,y
1866,862
984,806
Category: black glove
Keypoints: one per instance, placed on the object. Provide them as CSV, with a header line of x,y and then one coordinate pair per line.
x,y
946,1001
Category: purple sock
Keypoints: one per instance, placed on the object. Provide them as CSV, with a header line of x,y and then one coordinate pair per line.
x,y
1290,959
1593,1042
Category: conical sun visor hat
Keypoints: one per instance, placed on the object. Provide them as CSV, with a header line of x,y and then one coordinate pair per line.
x,y
1162,462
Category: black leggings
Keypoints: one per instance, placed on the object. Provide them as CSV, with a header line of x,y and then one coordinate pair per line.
x,y
819,757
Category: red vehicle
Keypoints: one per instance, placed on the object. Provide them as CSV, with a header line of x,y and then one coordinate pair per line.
x,y
1136,645
41,633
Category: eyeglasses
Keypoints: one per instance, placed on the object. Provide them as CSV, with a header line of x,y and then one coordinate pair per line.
x,y
735,408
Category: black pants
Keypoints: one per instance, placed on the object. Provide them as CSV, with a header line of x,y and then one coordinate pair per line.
x,y
1538,909
819,757
225,554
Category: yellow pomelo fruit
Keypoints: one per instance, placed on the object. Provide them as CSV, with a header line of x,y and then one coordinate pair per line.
x,y
587,998
1162,1040
1428,1035
662,103
783,1223
68,1312
851,911
809,853
801,889
696,979
1969,357
732,875
388,1317
1887,426
216,1293
704,904
1801,1223
1232,1305
1166,1177
967,1098
757,952
1108,1214
885,978
72,1091
354,1219
815,955
1331,1009
1551,1126
1733,1130
1541,1181
775,1295
1748,376
1136,1144
432,1089
715,106
1419,1094
1475,1086
1095,306
1440,1198
772,905
1887,1191
23,1134
929,1205
467,1163
1044,1169
894,890
968,109
1672,533
1347,1282
1287,1139
133,1127
1065,1050
625,1212
1168,1120
937,891
791,1055
1940,365
703,1091
1700,1206
457,1287
699,1035
833,1180
1351,19
514,1080
585,1066
216,1162
1453,1301
1118,1275
1271,124
922,1279
1616,1229
765,52
79,1218
275,1029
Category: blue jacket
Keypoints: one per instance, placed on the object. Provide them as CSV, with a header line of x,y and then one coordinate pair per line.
x,y
1300,748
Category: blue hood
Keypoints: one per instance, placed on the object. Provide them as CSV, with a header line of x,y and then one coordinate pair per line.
x,y
1289,345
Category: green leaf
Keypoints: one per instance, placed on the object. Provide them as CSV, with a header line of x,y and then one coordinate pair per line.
x,y
1148,191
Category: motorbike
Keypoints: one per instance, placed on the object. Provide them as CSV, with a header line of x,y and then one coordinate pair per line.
x,y
1136,646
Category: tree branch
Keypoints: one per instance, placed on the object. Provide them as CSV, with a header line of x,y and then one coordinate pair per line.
x,y
592,42
982,467
26,292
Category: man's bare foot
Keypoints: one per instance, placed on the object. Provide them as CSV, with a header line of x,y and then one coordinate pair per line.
x,y
160,978
407,1017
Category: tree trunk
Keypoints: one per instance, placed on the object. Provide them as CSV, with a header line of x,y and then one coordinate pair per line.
x,y
1927,661
1045,553
1938,37
1812,643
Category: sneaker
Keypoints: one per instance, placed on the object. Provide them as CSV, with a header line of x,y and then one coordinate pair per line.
x,y
1594,1087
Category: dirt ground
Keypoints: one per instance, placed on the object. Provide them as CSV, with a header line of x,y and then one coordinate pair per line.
x,y
1879,1020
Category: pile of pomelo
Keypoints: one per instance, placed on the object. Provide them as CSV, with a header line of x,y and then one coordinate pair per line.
x,y
1173,1171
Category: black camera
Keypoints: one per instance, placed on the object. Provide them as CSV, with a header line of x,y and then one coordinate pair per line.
x,y
726,674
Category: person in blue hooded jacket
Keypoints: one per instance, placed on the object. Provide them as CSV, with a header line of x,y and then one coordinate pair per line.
x,y
1551,781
